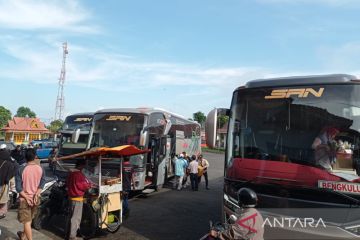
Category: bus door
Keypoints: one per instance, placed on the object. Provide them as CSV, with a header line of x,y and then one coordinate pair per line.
x,y
160,149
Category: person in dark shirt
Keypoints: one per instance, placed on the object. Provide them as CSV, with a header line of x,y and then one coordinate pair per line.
x,y
18,155
127,172
7,172
77,185
52,159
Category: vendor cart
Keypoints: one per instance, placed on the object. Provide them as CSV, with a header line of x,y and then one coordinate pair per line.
x,y
106,198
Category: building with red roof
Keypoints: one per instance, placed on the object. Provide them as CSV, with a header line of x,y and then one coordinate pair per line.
x,y
24,130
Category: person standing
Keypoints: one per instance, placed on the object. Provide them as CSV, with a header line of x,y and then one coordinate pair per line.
x,y
193,166
127,179
77,185
204,164
30,180
7,172
185,182
18,155
180,166
52,159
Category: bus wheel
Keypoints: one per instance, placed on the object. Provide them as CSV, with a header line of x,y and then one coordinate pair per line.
x,y
89,222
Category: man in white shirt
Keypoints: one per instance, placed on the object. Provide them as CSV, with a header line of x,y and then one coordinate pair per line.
x,y
193,166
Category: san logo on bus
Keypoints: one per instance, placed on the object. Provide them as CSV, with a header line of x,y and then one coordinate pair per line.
x,y
118,118
83,119
299,92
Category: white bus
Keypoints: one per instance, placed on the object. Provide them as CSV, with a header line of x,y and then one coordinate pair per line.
x,y
165,133
296,142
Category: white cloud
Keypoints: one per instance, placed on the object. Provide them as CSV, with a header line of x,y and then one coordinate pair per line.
x,y
109,71
48,15
41,63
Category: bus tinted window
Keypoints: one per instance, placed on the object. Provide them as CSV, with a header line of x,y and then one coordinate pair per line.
x,y
113,130
286,129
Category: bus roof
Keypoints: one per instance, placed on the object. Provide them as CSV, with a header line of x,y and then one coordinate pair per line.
x,y
146,111
81,114
300,80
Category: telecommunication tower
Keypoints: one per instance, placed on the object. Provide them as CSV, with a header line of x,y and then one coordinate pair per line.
x,y
60,101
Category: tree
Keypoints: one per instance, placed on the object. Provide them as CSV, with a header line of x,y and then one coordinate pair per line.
x,y
55,125
25,112
5,116
199,117
222,119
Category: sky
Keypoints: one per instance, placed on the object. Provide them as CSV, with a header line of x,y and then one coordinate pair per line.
x,y
181,55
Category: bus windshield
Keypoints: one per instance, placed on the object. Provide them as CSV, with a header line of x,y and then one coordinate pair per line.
x,y
111,130
67,147
314,126
77,121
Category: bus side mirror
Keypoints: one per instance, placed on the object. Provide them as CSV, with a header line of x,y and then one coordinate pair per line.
x,y
143,136
167,127
210,128
75,136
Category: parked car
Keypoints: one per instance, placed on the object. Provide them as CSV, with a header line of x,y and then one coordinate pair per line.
x,y
9,145
43,149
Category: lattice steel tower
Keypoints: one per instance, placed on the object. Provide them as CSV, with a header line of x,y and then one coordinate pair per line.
x,y
60,101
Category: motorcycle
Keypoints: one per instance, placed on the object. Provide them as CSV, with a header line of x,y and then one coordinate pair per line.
x,y
56,204
217,228
44,212
13,201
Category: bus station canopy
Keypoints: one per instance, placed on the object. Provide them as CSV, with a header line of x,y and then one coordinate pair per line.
x,y
120,151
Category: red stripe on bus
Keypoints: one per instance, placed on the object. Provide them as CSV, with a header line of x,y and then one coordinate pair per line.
x,y
284,172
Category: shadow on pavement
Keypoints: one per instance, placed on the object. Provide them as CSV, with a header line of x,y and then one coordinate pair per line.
x,y
176,214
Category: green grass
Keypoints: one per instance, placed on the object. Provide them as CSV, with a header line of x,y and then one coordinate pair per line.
x,y
213,150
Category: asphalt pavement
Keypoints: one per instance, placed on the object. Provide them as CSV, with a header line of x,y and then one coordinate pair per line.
x,y
165,214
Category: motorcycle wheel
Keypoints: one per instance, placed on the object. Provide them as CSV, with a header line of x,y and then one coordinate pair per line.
x,y
41,218
89,222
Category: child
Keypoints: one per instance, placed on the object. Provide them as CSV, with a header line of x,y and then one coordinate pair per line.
x,y
29,183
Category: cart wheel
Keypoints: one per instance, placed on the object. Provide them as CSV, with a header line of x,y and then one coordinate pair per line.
x,y
89,222
113,229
